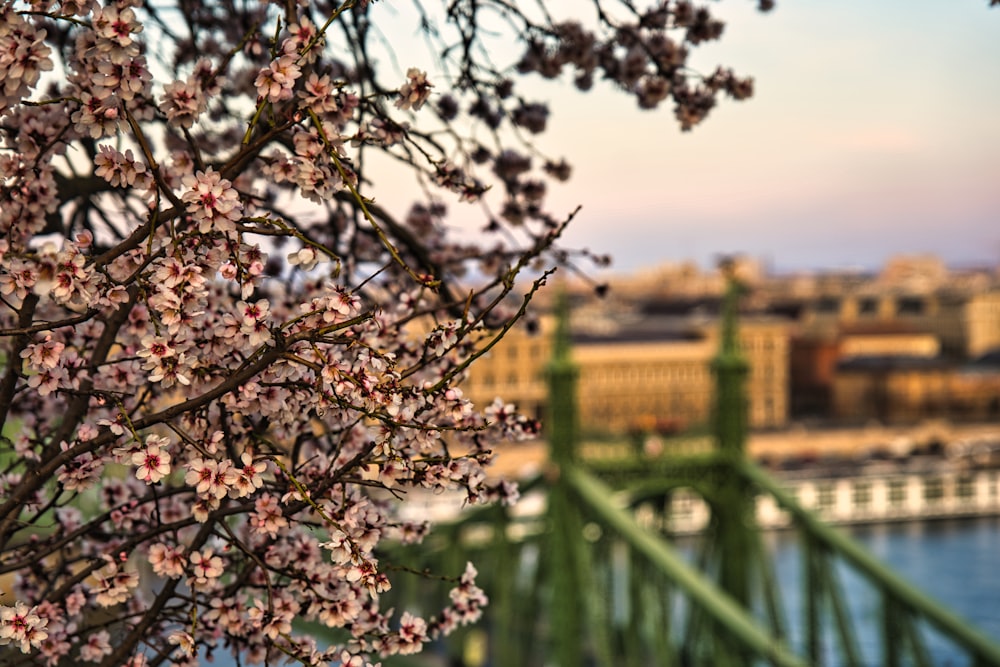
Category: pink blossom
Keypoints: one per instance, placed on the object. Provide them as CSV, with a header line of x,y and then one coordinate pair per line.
x,y
183,102
319,94
153,462
415,91
254,321
44,355
96,646
306,258
210,478
184,642
116,25
167,561
267,516
206,566
248,476
212,201
412,633
47,381
121,169
24,55
96,117
203,507
115,584
276,81
22,626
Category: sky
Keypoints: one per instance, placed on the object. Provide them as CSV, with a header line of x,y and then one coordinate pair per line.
x,y
874,130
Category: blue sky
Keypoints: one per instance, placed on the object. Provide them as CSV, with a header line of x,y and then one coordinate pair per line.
x,y
874,130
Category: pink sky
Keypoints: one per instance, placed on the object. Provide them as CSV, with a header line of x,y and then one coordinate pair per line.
x,y
874,130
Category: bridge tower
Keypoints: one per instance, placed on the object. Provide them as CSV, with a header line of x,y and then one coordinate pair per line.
x,y
733,500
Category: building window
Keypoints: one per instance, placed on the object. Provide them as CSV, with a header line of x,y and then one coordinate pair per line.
x,y
868,306
828,304
911,305
862,495
933,490
897,492
825,496
964,489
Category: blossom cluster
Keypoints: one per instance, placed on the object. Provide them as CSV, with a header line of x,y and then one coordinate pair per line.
x,y
223,362
646,54
22,627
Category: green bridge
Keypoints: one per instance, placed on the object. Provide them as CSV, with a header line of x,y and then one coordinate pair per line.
x,y
586,583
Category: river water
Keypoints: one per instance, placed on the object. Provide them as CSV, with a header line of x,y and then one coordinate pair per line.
x,y
957,562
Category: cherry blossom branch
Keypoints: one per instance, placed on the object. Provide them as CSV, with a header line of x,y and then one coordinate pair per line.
x,y
9,382
161,344
126,645
428,281
49,325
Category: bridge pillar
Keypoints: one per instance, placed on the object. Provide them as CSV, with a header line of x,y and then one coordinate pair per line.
x,y
733,504
730,367
565,545
562,421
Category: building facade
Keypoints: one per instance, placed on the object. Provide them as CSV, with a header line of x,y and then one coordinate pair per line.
x,y
652,374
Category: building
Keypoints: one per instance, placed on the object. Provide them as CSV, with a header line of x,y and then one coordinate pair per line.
x,y
966,322
641,370
908,389
832,332
660,377
514,369
845,346
890,389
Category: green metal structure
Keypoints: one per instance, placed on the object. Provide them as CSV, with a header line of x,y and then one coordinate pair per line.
x,y
589,583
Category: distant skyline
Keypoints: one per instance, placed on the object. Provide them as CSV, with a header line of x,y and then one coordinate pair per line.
x,y
873,131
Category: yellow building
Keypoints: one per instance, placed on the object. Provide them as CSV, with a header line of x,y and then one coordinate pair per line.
x,y
891,390
644,374
971,324
630,383
966,323
910,389
886,341
514,370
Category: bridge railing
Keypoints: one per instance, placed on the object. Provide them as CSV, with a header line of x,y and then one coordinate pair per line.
x,y
588,583
733,633
584,584
906,611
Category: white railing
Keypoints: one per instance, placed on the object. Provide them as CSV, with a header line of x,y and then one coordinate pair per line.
x,y
864,499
